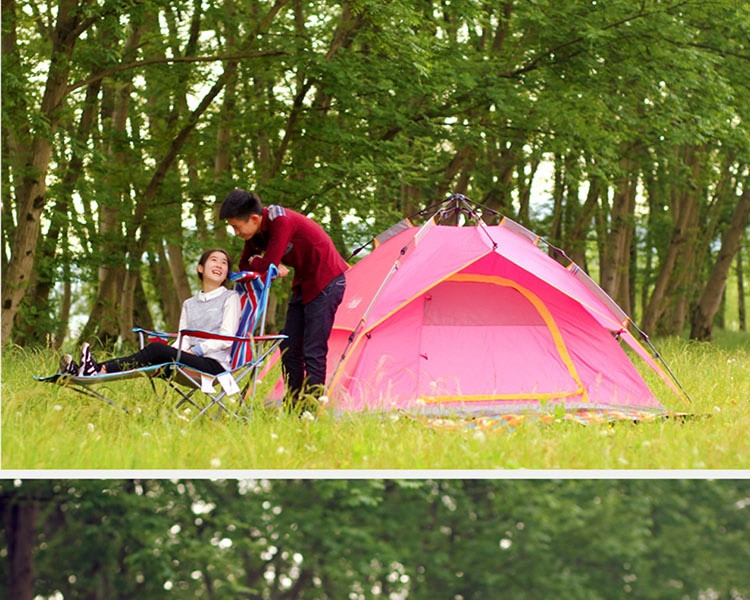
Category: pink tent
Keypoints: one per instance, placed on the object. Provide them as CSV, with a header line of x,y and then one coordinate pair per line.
x,y
478,319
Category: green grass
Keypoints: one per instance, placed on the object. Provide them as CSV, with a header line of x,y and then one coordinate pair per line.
x,y
48,427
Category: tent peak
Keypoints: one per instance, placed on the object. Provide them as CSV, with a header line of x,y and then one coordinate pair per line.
x,y
456,205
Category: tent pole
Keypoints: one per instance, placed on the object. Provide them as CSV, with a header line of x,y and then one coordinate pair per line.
x,y
386,279
658,356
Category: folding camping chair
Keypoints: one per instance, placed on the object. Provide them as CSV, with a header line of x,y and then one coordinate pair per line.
x,y
248,354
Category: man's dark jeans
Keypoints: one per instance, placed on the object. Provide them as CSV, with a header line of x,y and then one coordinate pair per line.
x,y
308,326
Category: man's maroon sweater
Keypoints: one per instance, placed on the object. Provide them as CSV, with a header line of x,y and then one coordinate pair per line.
x,y
289,238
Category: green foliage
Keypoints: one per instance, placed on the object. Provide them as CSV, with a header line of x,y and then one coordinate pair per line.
x,y
365,112
414,538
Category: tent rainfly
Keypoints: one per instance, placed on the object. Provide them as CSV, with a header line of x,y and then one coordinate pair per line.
x,y
479,320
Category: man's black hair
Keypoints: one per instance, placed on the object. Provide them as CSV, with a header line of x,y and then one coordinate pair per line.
x,y
240,204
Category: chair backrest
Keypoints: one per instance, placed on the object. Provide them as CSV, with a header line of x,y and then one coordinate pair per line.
x,y
254,291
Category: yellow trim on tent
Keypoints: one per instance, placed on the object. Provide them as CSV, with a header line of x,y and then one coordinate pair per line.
x,y
488,397
541,309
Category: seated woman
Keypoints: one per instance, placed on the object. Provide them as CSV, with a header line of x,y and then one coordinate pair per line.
x,y
215,308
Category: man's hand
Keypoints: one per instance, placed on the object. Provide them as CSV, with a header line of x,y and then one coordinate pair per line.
x,y
283,271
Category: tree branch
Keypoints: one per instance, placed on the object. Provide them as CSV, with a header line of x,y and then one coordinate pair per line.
x,y
179,59
721,51
639,15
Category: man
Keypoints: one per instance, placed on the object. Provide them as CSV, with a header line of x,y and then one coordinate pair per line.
x,y
285,238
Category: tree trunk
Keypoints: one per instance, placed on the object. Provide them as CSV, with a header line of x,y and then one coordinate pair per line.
x,y
655,197
720,320
6,231
104,323
575,237
683,282
127,305
39,294
64,315
624,295
19,519
141,312
708,305
465,175
524,191
411,199
615,259
460,159
558,196
741,304
31,196
161,276
657,303
222,159
179,272
502,160
685,210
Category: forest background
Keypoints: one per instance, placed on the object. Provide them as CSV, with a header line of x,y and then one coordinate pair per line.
x,y
372,538
124,124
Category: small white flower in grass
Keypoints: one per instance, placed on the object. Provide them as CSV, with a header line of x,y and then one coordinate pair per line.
x,y
307,416
717,409
280,450
393,417
479,435
274,436
91,426
57,407
323,400
215,463
146,434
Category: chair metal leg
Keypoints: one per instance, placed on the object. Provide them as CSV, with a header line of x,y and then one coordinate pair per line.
x,y
94,394
185,397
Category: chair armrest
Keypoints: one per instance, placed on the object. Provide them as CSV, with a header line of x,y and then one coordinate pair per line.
x,y
155,336
159,334
210,335
243,276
